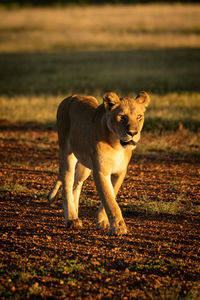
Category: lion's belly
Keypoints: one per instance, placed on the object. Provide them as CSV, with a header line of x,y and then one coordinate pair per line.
x,y
81,152
84,159
80,144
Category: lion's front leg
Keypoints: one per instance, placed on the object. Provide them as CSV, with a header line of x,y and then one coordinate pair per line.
x,y
107,196
102,219
70,211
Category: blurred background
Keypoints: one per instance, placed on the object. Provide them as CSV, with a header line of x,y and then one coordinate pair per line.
x,y
51,49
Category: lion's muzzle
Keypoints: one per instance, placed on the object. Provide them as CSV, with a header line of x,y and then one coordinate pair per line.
x,y
127,143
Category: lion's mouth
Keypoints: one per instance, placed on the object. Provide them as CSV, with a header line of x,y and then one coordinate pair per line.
x,y
127,143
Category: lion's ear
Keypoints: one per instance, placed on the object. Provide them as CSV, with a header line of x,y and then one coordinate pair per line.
x,y
143,98
110,100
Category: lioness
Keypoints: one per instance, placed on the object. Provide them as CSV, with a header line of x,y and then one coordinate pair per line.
x,y
98,138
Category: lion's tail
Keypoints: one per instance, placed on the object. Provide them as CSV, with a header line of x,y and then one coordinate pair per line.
x,y
53,193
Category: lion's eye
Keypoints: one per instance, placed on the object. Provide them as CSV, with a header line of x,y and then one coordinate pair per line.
x,y
139,117
123,117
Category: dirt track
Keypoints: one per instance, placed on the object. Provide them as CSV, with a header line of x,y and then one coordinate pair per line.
x,y
40,258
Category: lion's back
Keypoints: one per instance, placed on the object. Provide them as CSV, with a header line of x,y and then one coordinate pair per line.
x,y
75,115
76,104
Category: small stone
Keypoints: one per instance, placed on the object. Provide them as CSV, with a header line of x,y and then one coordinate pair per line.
x,y
126,271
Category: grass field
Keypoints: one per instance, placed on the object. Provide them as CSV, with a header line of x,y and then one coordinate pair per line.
x,y
102,28
47,54
121,48
33,84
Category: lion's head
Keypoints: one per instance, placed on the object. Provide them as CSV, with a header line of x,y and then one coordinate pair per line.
x,y
125,116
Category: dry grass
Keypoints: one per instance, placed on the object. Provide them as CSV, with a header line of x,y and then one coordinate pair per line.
x,y
171,107
28,109
103,27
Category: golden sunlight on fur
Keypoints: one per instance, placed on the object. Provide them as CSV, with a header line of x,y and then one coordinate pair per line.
x,y
98,138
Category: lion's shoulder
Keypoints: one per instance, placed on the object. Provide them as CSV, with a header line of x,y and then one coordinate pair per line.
x,y
85,100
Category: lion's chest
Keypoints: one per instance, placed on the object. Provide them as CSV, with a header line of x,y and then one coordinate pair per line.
x,y
113,162
119,162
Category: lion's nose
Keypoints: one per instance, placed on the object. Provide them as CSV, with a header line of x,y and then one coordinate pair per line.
x,y
132,133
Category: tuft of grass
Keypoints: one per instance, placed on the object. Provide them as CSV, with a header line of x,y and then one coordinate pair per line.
x,y
13,187
157,264
70,266
34,290
90,202
71,279
56,266
103,271
155,207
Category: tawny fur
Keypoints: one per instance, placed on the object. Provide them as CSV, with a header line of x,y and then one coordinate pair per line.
x,y
98,138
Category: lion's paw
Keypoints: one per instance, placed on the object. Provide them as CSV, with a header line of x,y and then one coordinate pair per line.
x,y
74,224
118,228
104,224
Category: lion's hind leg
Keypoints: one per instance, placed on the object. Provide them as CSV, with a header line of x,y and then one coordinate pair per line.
x,y
70,211
81,174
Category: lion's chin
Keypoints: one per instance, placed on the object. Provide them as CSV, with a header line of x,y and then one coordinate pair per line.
x,y
127,143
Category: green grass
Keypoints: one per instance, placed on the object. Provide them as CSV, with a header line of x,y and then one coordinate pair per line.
x,y
13,187
159,71
154,207
179,206
27,270
175,207
157,264
34,290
